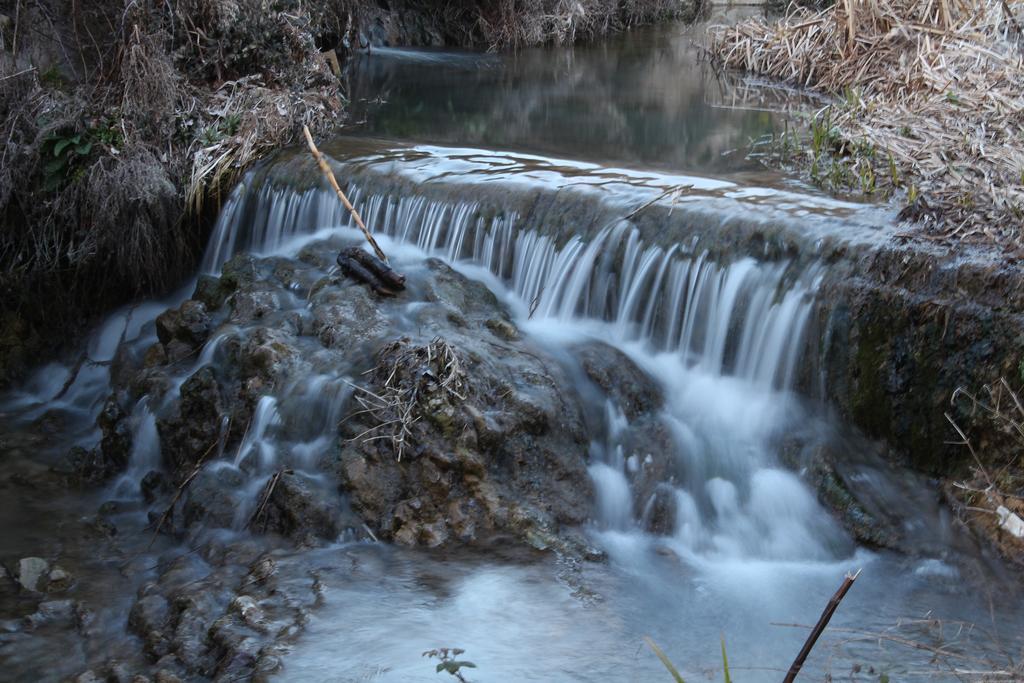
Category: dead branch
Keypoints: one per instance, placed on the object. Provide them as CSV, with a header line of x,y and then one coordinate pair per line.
x,y
268,492
329,174
816,632
370,270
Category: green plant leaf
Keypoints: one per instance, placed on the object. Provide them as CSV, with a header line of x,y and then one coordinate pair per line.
x,y
83,149
55,167
61,145
665,660
65,142
725,661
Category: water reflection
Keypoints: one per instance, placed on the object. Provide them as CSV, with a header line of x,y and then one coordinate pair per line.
x,y
643,97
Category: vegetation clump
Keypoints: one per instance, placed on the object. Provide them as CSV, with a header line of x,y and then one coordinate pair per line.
x,y
120,120
990,496
928,102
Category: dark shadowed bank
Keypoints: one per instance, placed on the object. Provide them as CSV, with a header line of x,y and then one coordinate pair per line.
x,y
124,122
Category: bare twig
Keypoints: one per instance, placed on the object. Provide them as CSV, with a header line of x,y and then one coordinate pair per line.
x,y
329,174
816,632
268,492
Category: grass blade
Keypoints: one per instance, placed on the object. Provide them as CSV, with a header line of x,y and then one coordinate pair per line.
x,y
725,662
665,660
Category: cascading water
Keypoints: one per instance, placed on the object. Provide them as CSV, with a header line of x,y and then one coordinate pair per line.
x,y
724,339
709,286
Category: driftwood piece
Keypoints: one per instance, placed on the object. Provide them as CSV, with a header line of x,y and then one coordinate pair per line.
x,y
329,174
364,267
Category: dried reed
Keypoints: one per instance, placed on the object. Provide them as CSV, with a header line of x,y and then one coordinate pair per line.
x,y
936,86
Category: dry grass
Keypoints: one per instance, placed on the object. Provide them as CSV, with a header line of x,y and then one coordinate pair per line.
x,y
408,380
932,94
513,24
993,433
173,102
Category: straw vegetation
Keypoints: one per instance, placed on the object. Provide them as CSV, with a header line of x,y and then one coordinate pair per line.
x,y
928,103
513,24
121,121
989,498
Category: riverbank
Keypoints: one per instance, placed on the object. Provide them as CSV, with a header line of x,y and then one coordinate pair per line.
x,y
925,105
924,110
118,149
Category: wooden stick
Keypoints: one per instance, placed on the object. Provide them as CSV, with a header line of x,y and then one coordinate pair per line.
x,y
169,512
268,491
830,609
329,174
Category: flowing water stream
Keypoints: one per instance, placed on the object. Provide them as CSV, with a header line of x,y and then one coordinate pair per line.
x,y
730,336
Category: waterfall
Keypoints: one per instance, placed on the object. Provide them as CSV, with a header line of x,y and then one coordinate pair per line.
x,y
745,318
724,338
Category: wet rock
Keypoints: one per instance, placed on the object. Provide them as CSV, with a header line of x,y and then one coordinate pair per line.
x,y
156,355
240,270
148,614
252,304
634,391
481,457
213,498
123,367
247,608
188,324
88,677
116,443
31,573
269,353
59,580
210,292
154,485
507,441
167,324
186,437
346,317
151,381
52,611
651,459
299,509
658,512
862,521
503,329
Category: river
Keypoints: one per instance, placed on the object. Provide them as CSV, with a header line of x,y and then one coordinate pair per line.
x,y
595,192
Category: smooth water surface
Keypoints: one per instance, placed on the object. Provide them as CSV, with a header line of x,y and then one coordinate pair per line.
x,y
645,97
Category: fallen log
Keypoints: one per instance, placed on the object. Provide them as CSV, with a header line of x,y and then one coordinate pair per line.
x,y
364,267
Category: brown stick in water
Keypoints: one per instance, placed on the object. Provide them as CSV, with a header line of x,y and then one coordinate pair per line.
x,y
388,277
823,620
329,174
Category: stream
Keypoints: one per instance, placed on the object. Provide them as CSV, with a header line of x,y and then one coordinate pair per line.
x,y
594,192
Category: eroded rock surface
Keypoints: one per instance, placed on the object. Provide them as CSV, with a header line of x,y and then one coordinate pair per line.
x,y
445,425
